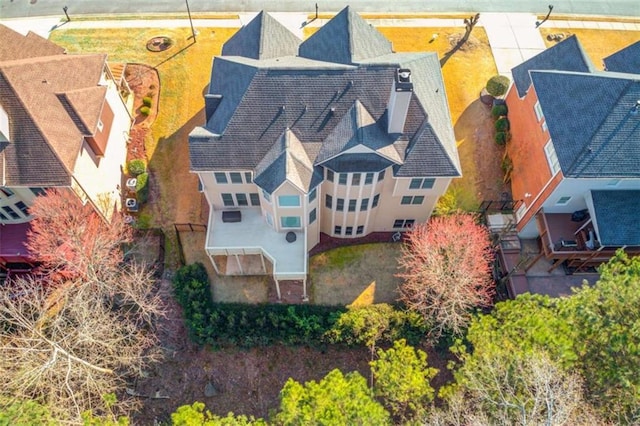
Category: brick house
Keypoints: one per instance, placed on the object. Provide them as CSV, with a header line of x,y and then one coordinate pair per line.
x,y
575,151
63,124
336,135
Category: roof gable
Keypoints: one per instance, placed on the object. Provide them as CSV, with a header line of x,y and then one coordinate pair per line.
x,y
567,55
345,39
16,46
262,38
625,60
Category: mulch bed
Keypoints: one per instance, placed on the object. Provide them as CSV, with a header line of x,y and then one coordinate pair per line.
x,y
144,82
328,243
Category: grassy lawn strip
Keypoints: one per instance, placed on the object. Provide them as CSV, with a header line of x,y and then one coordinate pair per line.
x,y
597,43
155,16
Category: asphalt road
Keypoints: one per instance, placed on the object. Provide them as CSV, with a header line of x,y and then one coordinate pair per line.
x,y
31,8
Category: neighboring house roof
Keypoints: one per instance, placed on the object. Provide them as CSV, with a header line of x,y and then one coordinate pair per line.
x,y
16,46
616,216
568,55
626,60
330,107
262,38
53,102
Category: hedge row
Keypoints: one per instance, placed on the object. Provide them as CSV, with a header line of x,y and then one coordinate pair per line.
x,y
219,324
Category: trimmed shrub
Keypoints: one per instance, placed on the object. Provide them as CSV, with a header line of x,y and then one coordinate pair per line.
x,y
142,188
502,124
145,110
146,101
507,165
247,326
497,85
499,111
136,167
501,138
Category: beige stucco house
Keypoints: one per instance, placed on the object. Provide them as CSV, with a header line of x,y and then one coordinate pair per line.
x,y
63,124
337,135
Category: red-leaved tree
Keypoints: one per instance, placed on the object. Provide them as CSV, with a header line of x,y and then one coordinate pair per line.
x,y
445,266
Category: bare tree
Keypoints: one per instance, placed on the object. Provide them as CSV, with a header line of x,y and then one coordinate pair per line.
x,y
522,390
84,326
446,270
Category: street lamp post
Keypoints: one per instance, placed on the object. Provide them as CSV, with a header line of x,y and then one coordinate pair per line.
x,y
193,31
64,9
538,23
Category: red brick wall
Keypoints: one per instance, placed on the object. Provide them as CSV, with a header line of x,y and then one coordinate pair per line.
x,y
531,171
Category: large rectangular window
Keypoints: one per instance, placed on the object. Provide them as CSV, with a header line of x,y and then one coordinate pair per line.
x,y
552,157
342,178
23,208
227,200
368,179
247,177
290,221
376,198
289,201
330,175
380,176
340,204
38,191
255,199
221,177
6,191
328,201
266,195
242,199
364,204
352,205
11,212
312,216
538,109
348,230
355,179
422,183
235,177
360,230
337,230
407,199
403,223
312,195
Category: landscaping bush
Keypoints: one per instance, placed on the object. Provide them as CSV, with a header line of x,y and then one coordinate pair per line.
x,y
218,324
136,167
146,101
501,138
142,188
145,110
499,111
502,124
497,85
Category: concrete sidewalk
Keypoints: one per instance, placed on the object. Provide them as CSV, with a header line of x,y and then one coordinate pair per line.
x,y
513,37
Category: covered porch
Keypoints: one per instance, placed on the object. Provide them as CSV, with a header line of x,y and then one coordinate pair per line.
x,y
249,246
584,239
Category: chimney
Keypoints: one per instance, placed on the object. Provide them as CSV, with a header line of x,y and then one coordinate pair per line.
x,y
399,99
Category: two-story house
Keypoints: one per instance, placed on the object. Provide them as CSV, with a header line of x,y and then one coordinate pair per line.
x,y
337,135
575,151
63,124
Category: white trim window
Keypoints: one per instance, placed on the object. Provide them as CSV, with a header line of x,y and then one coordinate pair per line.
x,y
552,157
290,222
538,110
289,201
563,201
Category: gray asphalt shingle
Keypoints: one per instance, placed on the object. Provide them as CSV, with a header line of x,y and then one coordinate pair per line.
x,y
617,217
625,60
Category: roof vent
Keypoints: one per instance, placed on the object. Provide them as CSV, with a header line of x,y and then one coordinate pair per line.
x,y
333,110
636,108
282,108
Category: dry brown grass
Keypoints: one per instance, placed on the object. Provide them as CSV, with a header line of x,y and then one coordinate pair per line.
x,y
597,43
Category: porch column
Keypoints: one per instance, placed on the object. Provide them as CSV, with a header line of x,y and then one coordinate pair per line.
x,y
239,264
277,288
264,267
214,264
305,298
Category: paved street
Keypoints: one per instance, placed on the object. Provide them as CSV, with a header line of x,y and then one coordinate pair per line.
x,y
30,8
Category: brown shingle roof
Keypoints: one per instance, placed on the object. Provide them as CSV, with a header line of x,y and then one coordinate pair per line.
x,y
53,102
16,46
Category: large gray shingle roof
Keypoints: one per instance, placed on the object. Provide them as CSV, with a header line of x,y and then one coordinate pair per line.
x,y
617,217
625,60
345,39
567,55
590,122
329,106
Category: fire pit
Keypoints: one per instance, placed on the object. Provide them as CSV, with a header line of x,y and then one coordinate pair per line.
x,y
159,44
